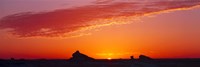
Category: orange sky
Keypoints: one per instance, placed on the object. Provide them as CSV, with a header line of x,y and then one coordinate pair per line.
x,y
104,30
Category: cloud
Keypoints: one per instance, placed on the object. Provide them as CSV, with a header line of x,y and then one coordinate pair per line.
x,y
103,1
65,22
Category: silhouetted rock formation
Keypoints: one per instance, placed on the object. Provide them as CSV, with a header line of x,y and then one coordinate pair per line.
x,y
12,58
77,56
132,57
143,57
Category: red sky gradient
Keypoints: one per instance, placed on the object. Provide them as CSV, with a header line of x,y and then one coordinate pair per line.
x,y
100,28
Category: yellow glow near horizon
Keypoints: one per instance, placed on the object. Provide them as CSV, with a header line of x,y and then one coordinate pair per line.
x,y
109,58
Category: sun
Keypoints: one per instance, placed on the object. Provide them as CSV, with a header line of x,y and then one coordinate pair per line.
x,y
109,58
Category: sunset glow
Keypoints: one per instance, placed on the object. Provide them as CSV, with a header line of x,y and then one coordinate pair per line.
x,y
109,58
102,29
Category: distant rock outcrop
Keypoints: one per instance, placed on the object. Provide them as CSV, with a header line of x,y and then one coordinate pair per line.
x,y
143,57
12,58
132,57
77,56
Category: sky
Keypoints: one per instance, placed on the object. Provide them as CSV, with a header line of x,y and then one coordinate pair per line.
x,y
51,29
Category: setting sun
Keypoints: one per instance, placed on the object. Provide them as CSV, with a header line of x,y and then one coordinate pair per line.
x,y
109,58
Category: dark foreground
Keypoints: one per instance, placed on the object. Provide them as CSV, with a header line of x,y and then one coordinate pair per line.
x,y
102,63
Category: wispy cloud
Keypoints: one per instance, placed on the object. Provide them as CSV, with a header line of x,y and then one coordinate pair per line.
x,y
73,20
103,1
